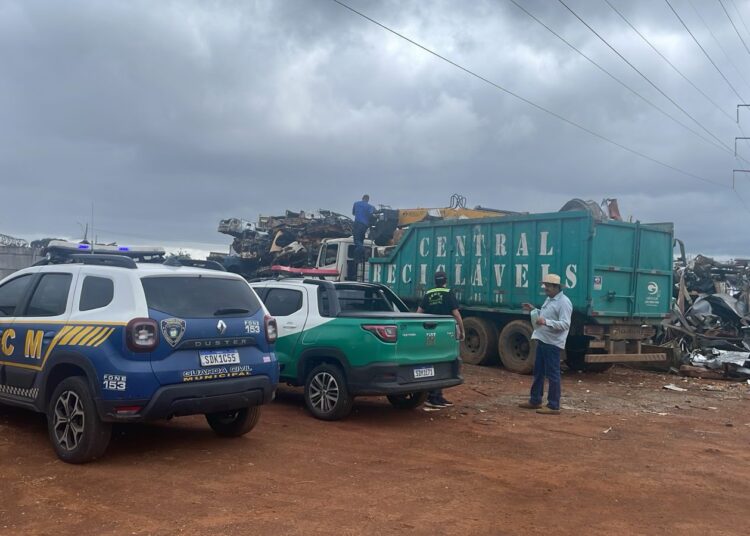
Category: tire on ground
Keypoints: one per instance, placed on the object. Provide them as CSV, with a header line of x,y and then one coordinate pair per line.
x,y
516,347
479,346
326,393
407,401
234,423
75,430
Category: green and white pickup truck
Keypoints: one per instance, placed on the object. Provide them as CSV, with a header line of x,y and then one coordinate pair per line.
x,y
345,339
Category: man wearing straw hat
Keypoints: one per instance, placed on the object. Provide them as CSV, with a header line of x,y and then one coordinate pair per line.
x,y
552,323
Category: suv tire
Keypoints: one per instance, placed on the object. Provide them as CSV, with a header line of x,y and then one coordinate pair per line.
x,y
408,401
234,423
77,433
326,394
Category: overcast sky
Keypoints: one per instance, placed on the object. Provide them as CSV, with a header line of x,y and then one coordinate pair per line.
x,y
171,115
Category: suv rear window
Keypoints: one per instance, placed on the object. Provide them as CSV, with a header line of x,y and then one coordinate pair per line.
x,y
200,297
97,292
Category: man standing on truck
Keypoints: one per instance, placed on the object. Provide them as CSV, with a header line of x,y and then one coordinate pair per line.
x,y
441,301
552,324
362,212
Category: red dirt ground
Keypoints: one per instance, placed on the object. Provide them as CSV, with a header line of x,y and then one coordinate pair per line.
x,y
625,457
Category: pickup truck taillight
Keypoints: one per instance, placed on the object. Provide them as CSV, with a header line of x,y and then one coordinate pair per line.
x,y
387,333
272,331
142,334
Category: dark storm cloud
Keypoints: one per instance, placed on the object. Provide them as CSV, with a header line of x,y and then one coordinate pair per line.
x,y
169,116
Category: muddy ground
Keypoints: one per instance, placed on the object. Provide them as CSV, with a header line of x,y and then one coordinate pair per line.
x,y
625,457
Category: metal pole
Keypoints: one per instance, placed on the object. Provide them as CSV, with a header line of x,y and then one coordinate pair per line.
x,y
735,144
734,171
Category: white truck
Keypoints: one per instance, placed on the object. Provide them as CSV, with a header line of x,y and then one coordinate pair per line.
x,y
338,254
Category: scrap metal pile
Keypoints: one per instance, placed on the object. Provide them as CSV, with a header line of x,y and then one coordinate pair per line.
x,y
710,323
10,241
291,240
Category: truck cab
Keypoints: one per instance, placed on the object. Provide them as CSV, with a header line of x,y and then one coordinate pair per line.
x,y
338,254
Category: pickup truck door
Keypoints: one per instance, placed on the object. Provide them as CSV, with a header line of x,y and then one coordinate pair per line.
x,y
289,307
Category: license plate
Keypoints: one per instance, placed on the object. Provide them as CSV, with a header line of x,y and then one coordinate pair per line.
x,y
219,357
424,372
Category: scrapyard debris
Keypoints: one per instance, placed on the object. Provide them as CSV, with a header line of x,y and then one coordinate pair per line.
x,y
730,364
710,323
9,241
291,240
673,387
597,210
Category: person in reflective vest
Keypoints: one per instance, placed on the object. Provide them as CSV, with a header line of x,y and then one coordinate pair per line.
x,y
441,301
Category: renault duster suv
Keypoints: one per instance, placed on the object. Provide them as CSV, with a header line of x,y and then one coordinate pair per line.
x,y
93,339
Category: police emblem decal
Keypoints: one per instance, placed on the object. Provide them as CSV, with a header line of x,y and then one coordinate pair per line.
x,y
173,329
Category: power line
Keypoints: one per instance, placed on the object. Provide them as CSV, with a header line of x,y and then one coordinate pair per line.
x,y
527,101
646,78
733,26
704,51
742,19
613,77
701,46
662,56
653,47
718,43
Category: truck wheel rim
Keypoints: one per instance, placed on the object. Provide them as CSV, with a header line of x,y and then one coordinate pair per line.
x,y
324,392
472,340
69,420
521,347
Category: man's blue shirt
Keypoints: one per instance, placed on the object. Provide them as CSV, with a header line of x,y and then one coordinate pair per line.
x,y
362,211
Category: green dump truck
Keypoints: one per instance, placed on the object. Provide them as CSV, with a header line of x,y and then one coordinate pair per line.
x,y
618,275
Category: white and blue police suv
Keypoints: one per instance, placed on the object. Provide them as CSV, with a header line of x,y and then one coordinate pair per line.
x,y
95,338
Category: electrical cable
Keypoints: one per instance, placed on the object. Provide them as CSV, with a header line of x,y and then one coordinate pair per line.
x,y
528,101
646,78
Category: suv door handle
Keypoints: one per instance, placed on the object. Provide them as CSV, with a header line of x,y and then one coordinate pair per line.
x,y
49,334
290,325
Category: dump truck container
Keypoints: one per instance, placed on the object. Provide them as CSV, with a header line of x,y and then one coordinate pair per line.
x,y
618,276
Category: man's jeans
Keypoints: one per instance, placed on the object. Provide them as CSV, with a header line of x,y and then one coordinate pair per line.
x,y
359,230
546,365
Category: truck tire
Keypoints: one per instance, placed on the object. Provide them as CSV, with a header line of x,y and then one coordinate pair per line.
x,y
234,423
75,430
516,347
408,401
326,393
479,345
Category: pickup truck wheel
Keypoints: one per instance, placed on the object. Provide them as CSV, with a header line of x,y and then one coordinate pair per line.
x,y
408,401
479,345
75,430
517,350
234,423
326,394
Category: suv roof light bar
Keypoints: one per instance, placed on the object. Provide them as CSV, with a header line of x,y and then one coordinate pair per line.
x,y
194,263
95,259
63,247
